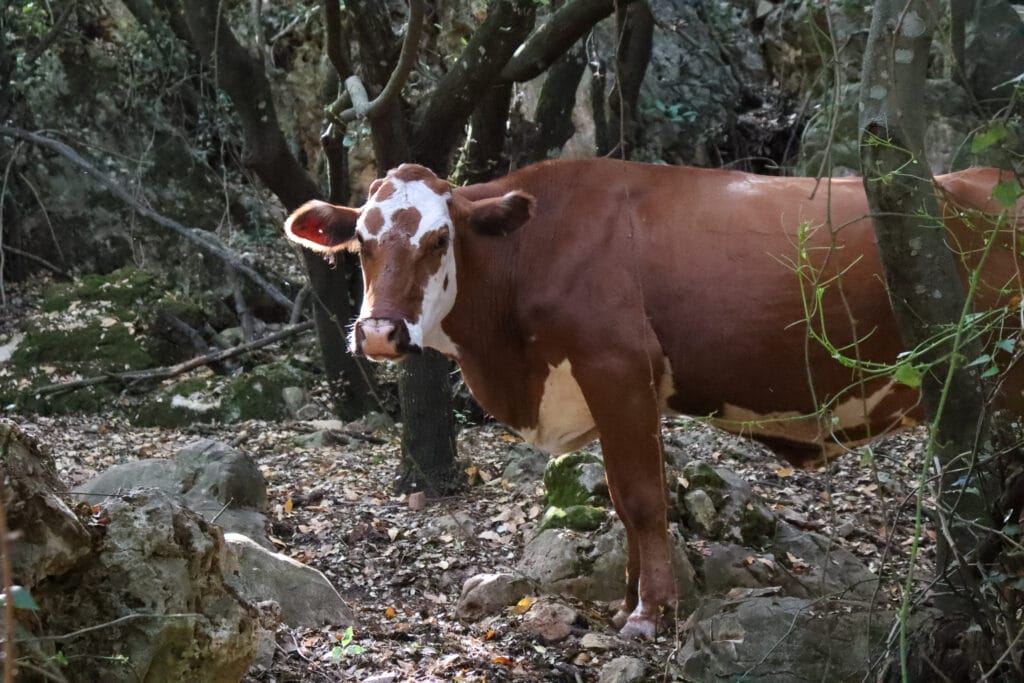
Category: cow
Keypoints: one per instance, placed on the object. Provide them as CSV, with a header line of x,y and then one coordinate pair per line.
x,y
582,299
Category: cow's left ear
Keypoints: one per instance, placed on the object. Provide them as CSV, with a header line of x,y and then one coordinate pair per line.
x,y
501,215
322,227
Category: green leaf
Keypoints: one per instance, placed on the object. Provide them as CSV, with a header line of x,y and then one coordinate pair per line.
x,y
1006,344
990,371
21,598
1011,529
906,373
983,358
337,652
347,638
987,138
1007,193
355,650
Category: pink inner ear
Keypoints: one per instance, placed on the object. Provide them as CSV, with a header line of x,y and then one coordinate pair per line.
x,y
311,225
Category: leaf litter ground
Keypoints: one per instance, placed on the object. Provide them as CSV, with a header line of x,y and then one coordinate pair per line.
x,y
401,570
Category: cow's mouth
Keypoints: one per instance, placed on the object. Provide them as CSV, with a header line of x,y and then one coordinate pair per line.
x,y
382,339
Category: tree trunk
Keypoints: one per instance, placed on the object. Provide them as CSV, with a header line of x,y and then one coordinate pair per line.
x,y
244,80
635,30
924,286
556,102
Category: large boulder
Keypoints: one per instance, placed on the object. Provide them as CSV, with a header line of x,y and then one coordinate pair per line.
x,y
152,597
209,477
781,640
306,597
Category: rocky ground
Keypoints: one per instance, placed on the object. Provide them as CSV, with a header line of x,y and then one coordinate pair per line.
x,y
401,569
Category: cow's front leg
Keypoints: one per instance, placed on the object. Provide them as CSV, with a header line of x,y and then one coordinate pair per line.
x,y
625,409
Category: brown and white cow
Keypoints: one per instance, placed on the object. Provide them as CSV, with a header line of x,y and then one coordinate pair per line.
x,y
582,299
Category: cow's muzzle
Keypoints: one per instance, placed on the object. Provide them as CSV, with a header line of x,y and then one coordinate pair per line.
x,y
382,339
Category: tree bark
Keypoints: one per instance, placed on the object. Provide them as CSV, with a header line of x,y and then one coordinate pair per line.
x,y
485,156
635,30
922,278
556,102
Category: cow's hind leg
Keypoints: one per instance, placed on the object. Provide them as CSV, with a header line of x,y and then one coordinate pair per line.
x,y
625,408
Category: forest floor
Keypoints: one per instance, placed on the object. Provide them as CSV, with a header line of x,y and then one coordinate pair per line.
x,y
402,570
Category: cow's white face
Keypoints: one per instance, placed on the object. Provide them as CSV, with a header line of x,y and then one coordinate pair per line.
x,y
406,237
406,234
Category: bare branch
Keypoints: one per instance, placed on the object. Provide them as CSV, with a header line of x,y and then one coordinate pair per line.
x,y
567,25
133,376
336,52
406,60
200,238
441,119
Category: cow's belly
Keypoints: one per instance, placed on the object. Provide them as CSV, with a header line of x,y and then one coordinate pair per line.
x,y
564,422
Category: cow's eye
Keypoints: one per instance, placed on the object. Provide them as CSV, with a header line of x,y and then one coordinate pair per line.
x,y
441,241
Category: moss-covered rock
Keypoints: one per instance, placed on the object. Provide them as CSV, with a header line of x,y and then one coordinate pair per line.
x,y
256,394
575,479
578,517
125,288
104,347
181,404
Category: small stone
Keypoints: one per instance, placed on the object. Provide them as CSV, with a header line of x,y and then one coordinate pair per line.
x,y
702,510
487,594
550,621
381,678
294,399
596,641
417,501
622,670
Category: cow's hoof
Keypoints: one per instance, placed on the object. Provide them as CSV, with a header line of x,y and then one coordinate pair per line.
x,y
620,618
638,627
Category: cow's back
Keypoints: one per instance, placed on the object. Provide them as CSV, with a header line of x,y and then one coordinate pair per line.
x,y
727,269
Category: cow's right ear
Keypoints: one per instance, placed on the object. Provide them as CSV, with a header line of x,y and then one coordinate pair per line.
x,y
501,215
322,227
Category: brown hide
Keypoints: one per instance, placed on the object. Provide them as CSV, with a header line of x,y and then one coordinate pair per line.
x,y
700,267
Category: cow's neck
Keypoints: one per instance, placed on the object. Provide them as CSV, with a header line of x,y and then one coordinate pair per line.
x,y
483,325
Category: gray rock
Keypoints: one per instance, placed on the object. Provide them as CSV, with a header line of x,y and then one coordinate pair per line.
x,y
551,621
592,566
526,464
487,594
727,507
208,476
49,539
596,641
381,678
780,639
306,597
156,558
820,569
701,510
266,639
993,50
576,478
294,400
622,670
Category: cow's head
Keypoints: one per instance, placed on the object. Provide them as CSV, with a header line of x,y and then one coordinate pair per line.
x,y
406,235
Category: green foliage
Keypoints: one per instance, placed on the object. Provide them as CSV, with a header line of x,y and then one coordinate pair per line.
x,y
1008,192
347,647
21,598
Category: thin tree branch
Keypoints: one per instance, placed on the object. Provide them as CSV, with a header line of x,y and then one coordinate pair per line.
x,y
198,237
361,108
132,376
568,24
108,624
56,270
